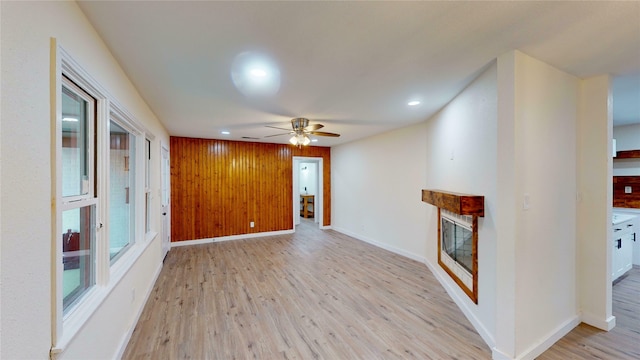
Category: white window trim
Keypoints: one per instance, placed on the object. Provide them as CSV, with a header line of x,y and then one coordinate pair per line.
x,y
85,306
125,120
65,327
148,195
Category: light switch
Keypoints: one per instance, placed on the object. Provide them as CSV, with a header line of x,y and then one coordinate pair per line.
x,y
627,189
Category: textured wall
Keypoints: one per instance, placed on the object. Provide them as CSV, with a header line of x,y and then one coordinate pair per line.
x,y
26,193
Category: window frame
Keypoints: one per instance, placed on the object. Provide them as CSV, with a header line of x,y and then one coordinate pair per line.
x,y
90,129
123,120
90,199
147,186
65,326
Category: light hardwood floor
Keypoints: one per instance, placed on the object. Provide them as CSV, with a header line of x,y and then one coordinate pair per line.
x,y
310,295
323,295
621,343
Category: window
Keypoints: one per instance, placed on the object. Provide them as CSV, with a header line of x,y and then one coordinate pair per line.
x,y
122,180
102,193
78,194
147,186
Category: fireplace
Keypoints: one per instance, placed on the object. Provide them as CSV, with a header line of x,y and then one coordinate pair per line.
x,y
456,245
458,236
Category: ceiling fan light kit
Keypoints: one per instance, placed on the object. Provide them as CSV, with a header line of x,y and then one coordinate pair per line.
x,y
300,140
301,131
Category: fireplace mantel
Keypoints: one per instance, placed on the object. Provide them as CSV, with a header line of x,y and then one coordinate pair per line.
x,y
461,204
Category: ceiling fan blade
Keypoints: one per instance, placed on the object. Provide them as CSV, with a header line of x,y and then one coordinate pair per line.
x,y
279,128
313,127
287,133
322,133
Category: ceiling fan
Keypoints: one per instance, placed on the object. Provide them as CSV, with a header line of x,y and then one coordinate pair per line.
x,y
301,131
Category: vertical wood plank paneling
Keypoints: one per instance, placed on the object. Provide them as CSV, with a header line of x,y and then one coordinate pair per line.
x,y
622,199
218,187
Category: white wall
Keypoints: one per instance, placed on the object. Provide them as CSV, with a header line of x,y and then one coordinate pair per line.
x,y
462,157
25,138
376,190
308,178
594,206
377,183
627,138
511,132
506,210
544,139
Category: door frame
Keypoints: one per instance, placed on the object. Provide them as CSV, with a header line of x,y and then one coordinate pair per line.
x,y
165,209
319,202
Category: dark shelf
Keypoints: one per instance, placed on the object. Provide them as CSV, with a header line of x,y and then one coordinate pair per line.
x,y
462,204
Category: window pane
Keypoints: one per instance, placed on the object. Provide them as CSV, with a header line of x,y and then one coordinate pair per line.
x,y
78,253
122,194
147,162
75,180
147,182
147,205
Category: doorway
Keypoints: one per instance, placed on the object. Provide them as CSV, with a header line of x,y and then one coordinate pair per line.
x,y
307,189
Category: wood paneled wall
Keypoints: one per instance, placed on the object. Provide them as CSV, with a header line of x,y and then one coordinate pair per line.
x,y
620,199
218,187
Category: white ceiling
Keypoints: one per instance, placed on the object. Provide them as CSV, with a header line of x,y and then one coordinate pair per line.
x,y
351,66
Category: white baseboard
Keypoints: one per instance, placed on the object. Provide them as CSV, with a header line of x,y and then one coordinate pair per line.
x,y
125,340
457,297
597,322
541,346
486,336
231,237
496,354
382,246
546,342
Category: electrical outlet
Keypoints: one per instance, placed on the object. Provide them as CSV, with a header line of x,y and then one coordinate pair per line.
x,y
252,224
627,189
526,202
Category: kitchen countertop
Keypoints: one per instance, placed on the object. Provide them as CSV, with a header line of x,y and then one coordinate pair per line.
x,y
618,218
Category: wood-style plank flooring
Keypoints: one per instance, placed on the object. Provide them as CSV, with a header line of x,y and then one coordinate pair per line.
x,y
323,295
310,295
622,342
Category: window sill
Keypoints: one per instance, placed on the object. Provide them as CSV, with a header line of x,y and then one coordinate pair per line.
x,y
75,320
150,235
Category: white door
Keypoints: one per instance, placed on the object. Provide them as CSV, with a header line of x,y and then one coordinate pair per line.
x,y
165,202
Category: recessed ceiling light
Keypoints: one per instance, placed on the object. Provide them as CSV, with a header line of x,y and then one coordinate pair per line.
x,y
70,119
314,140
255,74
225,132
413,103
258,73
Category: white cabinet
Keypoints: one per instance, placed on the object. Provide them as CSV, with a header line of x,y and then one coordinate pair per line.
x,y
624,238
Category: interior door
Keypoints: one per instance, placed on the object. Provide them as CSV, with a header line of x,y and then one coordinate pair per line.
x,y
165,202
